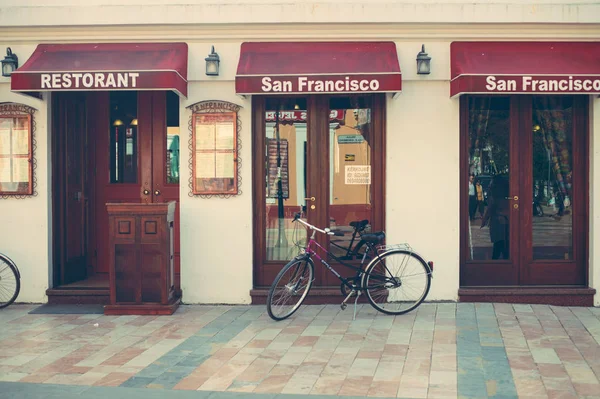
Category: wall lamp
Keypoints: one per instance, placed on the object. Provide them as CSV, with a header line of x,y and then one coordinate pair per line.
x,y
423,62
212,63
9,63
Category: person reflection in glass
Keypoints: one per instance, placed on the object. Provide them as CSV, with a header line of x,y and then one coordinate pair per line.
x,y
496,215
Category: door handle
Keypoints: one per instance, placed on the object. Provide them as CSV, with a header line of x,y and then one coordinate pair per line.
x,y
515,198
146,191
156,192
310,199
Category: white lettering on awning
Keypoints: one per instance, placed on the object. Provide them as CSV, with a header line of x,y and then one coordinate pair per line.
x,y
311,84
542,84
96,80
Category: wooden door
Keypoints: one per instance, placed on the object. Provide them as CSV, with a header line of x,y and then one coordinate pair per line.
x,y
132,157
300,141
70,187
524,179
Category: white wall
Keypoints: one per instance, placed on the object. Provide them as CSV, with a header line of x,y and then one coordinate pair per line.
x,y
25,223
422,182
216,233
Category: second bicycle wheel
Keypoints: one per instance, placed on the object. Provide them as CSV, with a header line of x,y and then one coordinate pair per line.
x,y
290,287
10,283
397,281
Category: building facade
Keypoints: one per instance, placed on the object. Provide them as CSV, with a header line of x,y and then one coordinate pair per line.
x,y
486,165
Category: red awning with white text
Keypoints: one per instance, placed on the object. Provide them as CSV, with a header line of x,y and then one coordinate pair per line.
x,y
318,67
524,67
104,67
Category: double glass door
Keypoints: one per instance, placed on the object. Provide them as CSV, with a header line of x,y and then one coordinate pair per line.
x,y
524,198
322,155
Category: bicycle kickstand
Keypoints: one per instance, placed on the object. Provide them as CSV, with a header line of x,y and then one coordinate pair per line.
x,y
355,303
344,305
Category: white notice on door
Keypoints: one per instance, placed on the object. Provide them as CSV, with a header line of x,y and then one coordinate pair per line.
x,y
358,174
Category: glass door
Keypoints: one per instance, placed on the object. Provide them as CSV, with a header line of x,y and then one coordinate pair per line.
x,y
523,208
316,153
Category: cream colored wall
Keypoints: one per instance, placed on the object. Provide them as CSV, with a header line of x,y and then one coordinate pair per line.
x,y
422,181
25,224
216,233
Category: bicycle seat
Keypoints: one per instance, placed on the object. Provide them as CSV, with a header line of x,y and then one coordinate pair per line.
x,y
373,237
359,224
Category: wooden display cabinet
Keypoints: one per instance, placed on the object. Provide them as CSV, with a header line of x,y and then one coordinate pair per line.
x,y
141,275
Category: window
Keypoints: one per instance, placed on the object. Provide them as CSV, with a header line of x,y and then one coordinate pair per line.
x,y
215,159
16,154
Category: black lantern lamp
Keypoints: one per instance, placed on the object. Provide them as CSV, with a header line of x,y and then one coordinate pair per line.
x,y
423,62
212,63
9,63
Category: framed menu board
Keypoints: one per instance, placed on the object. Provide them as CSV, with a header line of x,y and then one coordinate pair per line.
x,y
214,144
16,153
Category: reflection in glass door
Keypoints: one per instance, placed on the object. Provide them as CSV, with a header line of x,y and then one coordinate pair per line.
x,y
315,153
552,166
525,186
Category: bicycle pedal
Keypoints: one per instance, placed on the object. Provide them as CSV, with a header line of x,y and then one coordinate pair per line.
x,y
343,306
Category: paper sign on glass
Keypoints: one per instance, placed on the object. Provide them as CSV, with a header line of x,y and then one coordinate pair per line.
x,y
224,164
20,142
224,136
205,136
21,170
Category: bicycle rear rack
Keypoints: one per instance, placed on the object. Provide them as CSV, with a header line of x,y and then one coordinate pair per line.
x,y
388,247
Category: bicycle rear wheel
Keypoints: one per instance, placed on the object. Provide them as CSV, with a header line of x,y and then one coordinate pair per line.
x,y
290,287
397,281
10,284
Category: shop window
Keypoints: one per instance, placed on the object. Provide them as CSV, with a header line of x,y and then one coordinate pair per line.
x,y
16,150
215,149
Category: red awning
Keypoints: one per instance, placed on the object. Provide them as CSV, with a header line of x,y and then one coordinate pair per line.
x,y
318,67
105,67
525,67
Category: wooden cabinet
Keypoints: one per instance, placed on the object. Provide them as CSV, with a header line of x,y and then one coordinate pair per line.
x,y
141,270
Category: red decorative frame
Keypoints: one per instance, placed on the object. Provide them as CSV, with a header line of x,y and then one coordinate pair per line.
x,y
20,111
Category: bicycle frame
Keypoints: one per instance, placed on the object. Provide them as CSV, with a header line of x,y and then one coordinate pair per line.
x,y
309,251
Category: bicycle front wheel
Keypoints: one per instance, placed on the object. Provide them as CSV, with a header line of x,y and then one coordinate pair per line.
x,y
397,281
290,287
10,284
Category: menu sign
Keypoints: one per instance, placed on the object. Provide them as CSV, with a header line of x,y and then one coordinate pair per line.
x,y
15,155
215,153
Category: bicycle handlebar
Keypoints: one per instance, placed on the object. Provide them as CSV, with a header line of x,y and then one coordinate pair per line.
x,y
311,227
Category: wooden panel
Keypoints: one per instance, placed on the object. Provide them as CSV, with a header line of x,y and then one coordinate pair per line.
x,y
153,261
141,261
126,273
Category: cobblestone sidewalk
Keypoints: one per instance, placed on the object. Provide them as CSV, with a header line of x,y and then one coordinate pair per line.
x,y
444,350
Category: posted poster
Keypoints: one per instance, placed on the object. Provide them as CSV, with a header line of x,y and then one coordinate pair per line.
x,y
205,136
205,165
224,139
358,174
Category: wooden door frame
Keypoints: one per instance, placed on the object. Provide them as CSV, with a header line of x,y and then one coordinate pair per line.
x,y
318,164
479,272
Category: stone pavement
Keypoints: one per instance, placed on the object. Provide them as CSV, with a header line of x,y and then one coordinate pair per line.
x,y
441,350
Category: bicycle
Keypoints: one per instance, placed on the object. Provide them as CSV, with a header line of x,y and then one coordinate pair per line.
x,y
381,279
358,251
10,281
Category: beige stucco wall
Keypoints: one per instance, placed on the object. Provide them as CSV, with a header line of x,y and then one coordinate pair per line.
x,y
25,224
422,122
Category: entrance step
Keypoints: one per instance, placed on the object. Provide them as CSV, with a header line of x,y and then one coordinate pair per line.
x,y
84,296
551,295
